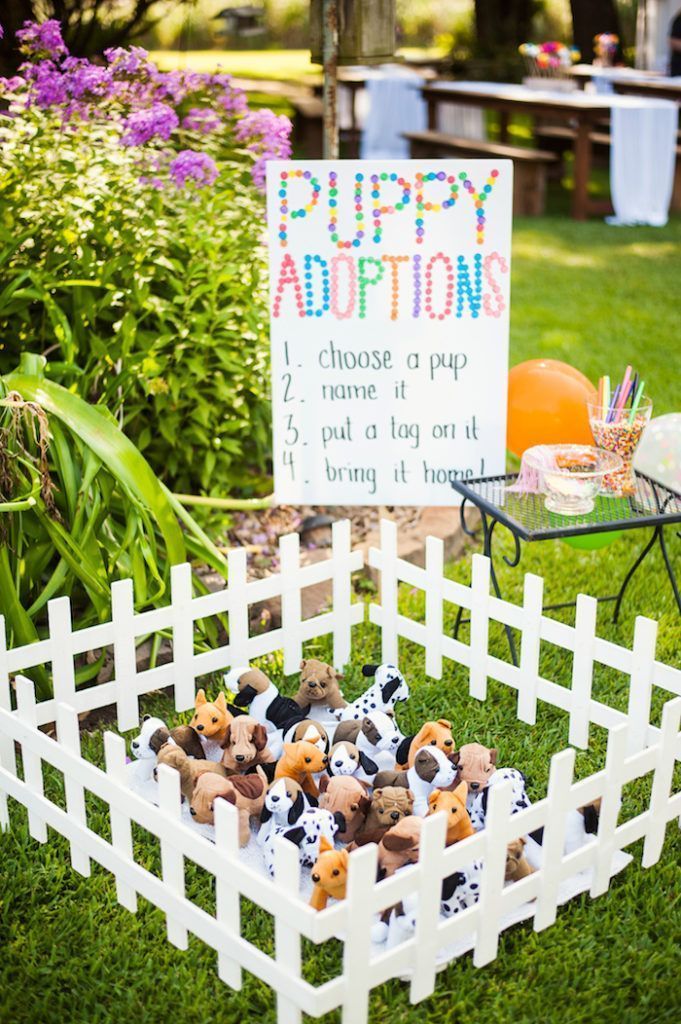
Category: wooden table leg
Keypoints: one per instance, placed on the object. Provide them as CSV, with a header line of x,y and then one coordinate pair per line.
x,y
432,114
503,126
582,171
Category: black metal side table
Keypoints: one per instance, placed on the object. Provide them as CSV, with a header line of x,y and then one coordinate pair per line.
x,y
527,519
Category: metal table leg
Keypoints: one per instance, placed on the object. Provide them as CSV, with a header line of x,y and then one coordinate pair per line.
x,y
659,537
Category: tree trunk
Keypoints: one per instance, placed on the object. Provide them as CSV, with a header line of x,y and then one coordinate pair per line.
x,y
591,17
503,24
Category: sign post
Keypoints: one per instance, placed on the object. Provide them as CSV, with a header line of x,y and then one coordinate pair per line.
x,y
389,327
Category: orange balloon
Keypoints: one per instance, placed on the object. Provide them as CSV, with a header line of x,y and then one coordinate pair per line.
x,y
547,405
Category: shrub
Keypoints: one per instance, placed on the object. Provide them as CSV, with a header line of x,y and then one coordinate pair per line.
x,y
79,507
132,252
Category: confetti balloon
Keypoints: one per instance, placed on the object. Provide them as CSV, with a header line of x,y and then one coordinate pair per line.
x,y
659,453
547,405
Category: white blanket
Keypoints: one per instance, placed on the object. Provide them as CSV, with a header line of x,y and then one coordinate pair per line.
x,y
642,159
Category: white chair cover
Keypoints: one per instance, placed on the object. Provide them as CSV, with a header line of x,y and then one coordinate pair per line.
x,y
395,106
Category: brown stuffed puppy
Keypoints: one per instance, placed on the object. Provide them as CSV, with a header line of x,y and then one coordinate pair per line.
x,y
399,846
245,744
190,769
246,792
318,685
517,866
388,806
300,761
431,734
476,765
211,720
347,800
453,804
329,874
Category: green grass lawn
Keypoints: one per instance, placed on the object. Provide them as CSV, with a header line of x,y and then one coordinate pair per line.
x,y
597,297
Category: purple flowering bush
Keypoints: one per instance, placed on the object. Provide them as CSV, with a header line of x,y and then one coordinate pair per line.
x,y
132,250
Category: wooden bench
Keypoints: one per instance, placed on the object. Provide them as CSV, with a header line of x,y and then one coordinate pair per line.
x,y
529,165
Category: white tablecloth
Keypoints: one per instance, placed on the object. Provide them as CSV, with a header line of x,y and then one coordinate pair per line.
x,y
395,105
642,152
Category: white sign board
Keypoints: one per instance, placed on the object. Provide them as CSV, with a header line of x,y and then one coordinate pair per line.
x,y
389,315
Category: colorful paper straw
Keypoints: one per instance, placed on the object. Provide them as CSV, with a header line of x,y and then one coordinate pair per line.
x,y
635,403
606,396
623,394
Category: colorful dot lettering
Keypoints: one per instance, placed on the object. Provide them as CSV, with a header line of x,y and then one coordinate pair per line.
x,y
294,214
446,310
309,288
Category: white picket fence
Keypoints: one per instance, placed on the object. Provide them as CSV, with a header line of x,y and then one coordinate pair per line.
x,y
636,748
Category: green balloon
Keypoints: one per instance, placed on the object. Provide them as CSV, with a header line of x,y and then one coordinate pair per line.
x,y
592,541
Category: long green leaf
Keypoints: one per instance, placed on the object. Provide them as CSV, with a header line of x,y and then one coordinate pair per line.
x,y
23,630
117,453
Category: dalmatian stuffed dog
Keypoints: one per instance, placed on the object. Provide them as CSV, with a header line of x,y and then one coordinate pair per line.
x,y
312,824
375,735
476,803
461,890
389,688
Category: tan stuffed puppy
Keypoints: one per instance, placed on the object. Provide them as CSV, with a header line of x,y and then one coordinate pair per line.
x,y
476,766
319,685
453,804
246,792
308,729
190,769
329,874
517,866
245,744
431,734
400,846
347,800
388,806
211,718
300,761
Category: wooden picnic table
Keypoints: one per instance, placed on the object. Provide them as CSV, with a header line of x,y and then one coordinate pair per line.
x,y
658,89
577,109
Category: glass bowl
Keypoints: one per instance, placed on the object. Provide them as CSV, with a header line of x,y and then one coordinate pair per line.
x,y
574,479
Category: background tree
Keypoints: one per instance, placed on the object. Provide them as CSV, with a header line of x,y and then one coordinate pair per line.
x,y
589,18
88,26
502,25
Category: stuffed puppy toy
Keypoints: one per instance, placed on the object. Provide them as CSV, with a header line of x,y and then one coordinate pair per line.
x,y
431,734
476,766
329,874
388,806
399,846
155,733
517,865
246,792
581,825
388,689
461,890
284,803
245,744
318,685
300,761
255,691
375,735
477,803
211,719
453,804
347,800
190,768
431,770
312,826
310,730
346,758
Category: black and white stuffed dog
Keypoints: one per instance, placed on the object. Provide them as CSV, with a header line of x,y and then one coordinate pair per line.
x,y
388,689
284,804
309,828
253,690
431,770
346,758
375,735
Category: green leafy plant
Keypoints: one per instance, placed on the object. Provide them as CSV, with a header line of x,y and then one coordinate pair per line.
x,y
79,507
132,253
